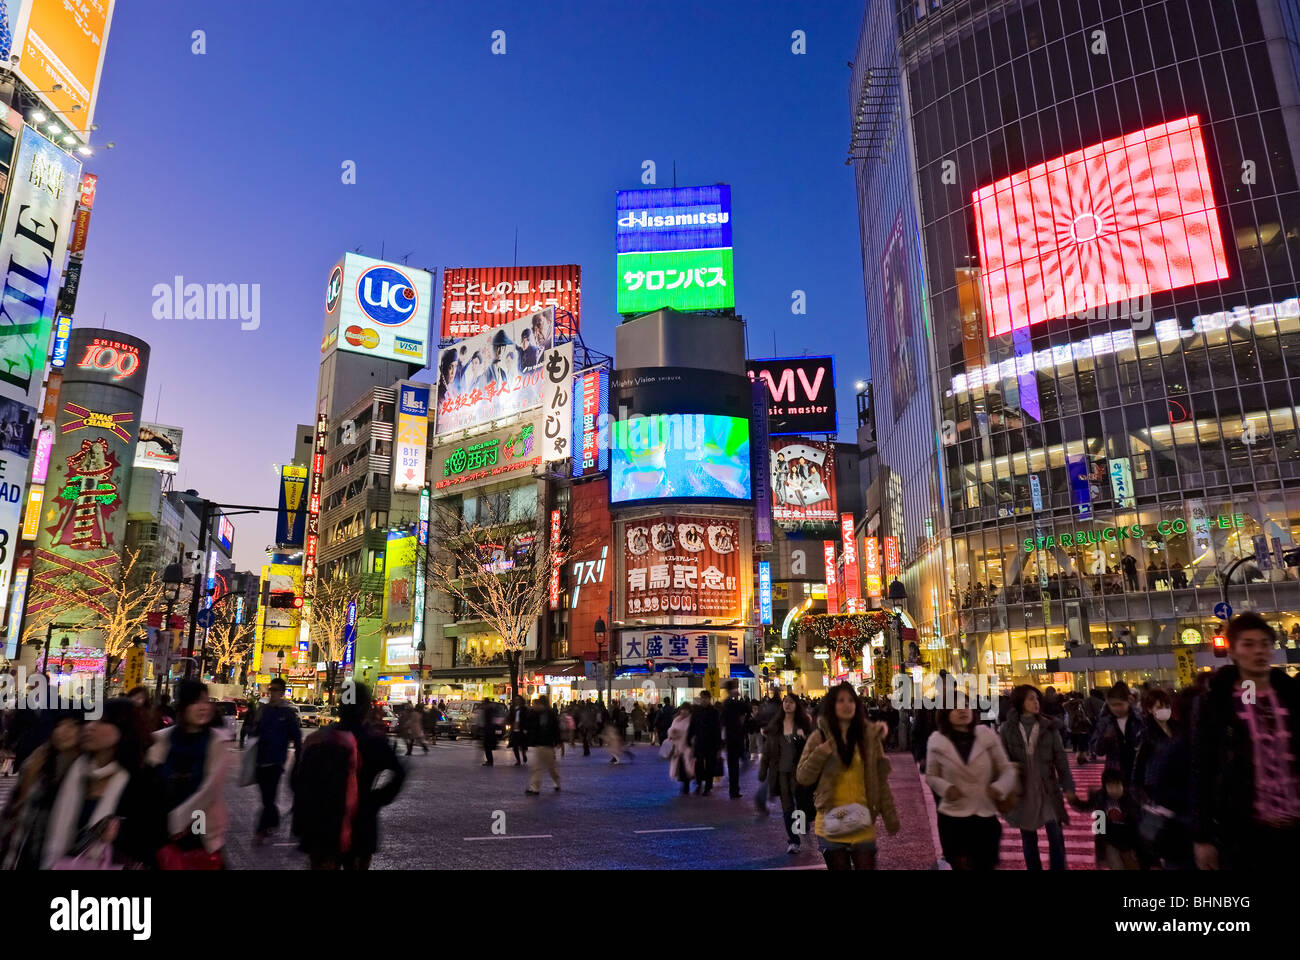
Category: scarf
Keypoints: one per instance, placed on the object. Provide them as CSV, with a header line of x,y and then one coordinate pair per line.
x,y
62,834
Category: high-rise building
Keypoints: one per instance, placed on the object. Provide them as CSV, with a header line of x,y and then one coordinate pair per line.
x,y
1084,217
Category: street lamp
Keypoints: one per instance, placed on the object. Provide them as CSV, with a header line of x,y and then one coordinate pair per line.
x,y
599,631
898,599
419,689
49,633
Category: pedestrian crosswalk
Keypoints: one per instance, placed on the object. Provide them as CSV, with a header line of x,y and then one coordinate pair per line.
x,y
1079,848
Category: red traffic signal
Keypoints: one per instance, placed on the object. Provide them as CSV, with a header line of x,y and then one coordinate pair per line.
x,y
297,601
1220,644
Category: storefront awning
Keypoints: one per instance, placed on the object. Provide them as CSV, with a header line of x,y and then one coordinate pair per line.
x,y
738,670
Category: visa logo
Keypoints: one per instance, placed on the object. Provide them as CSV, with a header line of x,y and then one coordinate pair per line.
x,y
412,347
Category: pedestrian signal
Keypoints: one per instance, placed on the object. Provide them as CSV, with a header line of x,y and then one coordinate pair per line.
x,y
1220,645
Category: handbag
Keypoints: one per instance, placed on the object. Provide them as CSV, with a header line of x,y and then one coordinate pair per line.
x,y
92,851
248,764
1009,803
848,819
174,857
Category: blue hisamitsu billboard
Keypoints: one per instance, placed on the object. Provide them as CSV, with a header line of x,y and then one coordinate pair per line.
x,y
674,218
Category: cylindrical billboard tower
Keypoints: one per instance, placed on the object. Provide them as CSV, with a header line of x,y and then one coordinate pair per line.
x,y
83,526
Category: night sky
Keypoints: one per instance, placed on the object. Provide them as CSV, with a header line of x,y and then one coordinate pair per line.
x,y
227,169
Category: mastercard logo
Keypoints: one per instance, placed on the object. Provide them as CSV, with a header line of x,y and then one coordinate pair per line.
x,y
361,337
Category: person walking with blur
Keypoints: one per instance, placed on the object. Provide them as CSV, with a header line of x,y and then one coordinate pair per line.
x,y
542,725
1246,787
681,760
518,739
276,729
1033,741
192,758
108,809
704,738
735,715
24,820
844,762
1162,782
785,738
1118,733
638,720
966,765
489,715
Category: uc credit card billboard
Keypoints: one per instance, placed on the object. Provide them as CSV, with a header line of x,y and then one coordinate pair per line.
x,y
378,309
674,249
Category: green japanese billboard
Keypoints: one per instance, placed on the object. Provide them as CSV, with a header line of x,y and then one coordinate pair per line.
x,y
682,279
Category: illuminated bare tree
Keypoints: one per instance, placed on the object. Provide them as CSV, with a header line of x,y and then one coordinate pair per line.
x,y
329,619
496,571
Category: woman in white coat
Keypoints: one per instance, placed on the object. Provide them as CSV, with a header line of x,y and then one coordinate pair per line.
x,y
681,759
968,768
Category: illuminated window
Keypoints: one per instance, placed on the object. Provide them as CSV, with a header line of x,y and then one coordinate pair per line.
x,y
1113,222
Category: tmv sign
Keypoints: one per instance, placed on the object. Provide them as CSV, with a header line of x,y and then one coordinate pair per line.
x,y
801,393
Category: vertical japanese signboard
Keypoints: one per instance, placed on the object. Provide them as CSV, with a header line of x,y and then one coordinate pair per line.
x,y
893,568
557,403
556,559
317,481
765,592
852,585
412,437
832,577
291,517
759,465
590,404
871,565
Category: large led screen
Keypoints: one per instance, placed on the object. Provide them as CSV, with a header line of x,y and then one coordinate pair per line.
x,y
680,456
685,280
1118,220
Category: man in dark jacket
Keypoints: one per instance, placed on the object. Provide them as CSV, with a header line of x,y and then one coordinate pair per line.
x,y
1246,788
704,737
277,728
1118,733
542,727
664,720
734,714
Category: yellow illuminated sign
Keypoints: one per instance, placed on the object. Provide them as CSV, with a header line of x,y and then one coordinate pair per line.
x,y
32,518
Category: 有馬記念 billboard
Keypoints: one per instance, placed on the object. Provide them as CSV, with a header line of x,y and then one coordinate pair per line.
x,y
682,565
475,299
494,375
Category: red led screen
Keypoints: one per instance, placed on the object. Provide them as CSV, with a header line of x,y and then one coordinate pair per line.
x,y
1114,221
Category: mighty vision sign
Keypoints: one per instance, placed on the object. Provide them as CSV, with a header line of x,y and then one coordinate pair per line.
x,y
1165,529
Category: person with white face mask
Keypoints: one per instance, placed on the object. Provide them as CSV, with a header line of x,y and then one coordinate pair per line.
x,y
1162,776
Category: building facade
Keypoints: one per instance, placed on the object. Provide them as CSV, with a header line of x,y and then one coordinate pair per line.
x,y
1108,221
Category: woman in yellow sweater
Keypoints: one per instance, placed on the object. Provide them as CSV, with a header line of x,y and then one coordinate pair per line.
x,y
845,760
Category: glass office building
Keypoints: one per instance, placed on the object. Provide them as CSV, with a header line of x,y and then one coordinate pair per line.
x,y
1109,220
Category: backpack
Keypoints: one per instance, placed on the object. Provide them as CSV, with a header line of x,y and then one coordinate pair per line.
x,y
326,789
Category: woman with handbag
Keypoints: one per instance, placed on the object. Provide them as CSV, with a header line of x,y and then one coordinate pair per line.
x,y
844,759
785,738
106,815
681,760
966,766
191,758
1033,743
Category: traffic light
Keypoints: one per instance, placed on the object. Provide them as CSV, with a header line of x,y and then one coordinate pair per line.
x,y
1220,644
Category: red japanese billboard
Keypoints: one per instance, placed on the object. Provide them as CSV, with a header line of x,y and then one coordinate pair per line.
x,y
589,569
682,565
475,299
556,558
852,585
803,483
832,577
1115,221
892,566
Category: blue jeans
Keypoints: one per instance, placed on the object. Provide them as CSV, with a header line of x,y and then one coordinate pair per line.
x,y
1055,847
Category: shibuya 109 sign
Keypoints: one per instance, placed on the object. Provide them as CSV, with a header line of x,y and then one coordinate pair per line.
x,y
488,456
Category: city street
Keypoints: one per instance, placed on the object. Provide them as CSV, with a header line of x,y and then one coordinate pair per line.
x,y
606,816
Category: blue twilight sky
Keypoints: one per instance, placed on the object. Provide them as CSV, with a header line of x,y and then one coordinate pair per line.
x,y
227,169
